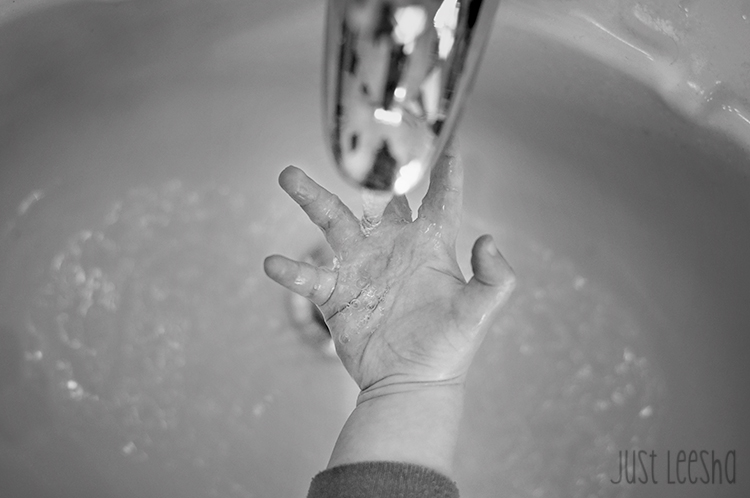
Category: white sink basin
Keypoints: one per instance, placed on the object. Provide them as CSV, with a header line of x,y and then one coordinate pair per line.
x,y
144,353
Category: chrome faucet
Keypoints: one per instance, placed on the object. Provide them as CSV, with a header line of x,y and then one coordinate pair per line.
x,y
396,77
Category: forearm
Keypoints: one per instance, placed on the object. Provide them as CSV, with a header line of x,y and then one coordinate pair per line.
x,y
418,426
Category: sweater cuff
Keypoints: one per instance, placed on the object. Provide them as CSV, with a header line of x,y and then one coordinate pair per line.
x,y
381,480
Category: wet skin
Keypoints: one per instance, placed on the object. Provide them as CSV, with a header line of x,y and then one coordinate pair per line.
x,y
399,310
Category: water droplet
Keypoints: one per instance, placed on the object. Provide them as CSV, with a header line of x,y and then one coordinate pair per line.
x,y
75,391
685,5
363,282
579,282
429,228
628,355
33,356
30,200
259,409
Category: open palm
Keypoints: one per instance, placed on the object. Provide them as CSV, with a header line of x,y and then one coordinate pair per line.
x,y
398,308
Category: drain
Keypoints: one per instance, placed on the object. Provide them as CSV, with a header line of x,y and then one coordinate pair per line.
x,y
307,319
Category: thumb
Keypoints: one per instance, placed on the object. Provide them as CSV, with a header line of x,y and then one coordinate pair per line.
x,y
493,280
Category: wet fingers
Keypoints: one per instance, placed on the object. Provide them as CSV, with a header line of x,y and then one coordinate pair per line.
x,y
492,283
316,284
443,201
322,207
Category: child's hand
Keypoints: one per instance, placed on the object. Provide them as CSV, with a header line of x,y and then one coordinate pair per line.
x,y
400,312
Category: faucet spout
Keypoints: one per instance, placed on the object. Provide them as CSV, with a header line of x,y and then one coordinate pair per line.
x,y
396,77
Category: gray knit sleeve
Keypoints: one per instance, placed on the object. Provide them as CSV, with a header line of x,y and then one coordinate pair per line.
x,y
381,480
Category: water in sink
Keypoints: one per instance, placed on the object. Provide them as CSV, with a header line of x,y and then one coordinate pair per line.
x,y
151,326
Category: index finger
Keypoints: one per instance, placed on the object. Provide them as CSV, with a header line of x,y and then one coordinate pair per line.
x,y
443,201
322,207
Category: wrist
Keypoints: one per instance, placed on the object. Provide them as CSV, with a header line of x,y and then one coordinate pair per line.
x,y
405,423
445,388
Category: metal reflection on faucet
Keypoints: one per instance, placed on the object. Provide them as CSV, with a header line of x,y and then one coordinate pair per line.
x,y
393,118
397,74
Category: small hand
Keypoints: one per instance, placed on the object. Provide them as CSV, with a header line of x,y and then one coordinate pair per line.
x,y
398,308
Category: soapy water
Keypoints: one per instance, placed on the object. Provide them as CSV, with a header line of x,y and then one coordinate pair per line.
x,y
148,326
